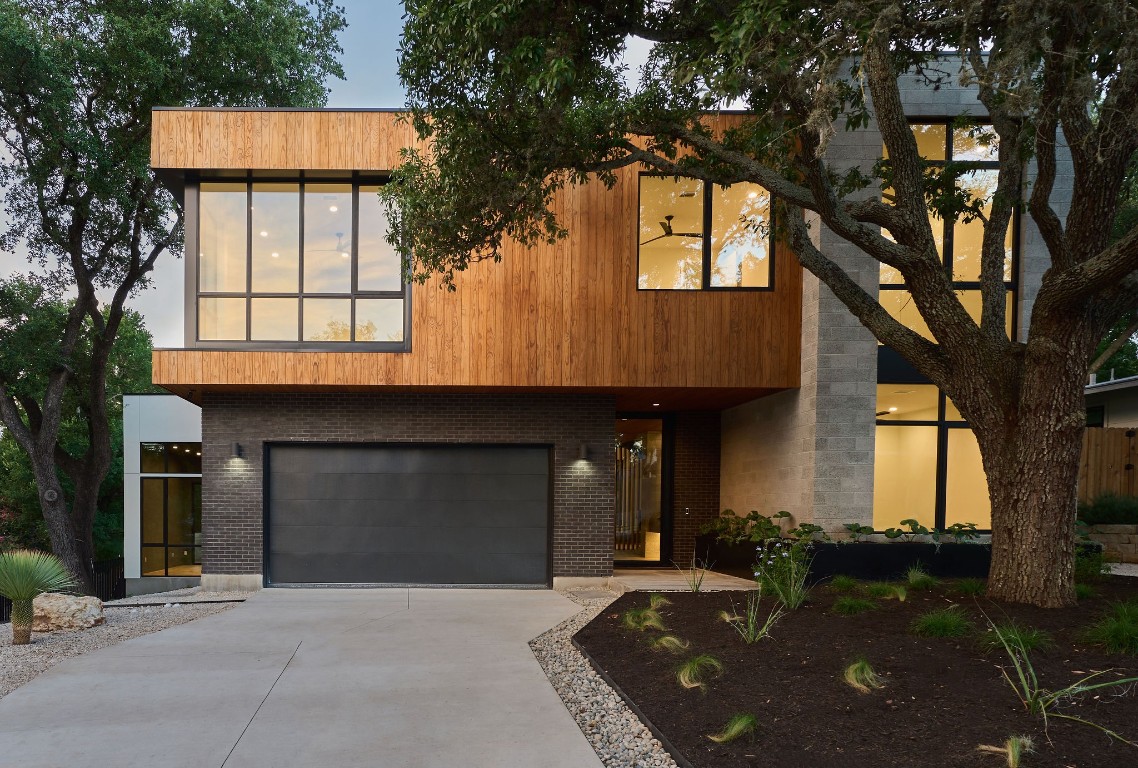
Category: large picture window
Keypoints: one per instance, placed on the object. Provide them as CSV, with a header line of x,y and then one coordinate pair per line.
x,y
696,236
171,508
297,263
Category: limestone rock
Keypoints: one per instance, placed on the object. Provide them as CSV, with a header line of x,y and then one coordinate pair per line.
x,y
54,612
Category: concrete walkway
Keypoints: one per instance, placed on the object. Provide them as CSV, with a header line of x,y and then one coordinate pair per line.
x,y
305,678
663,580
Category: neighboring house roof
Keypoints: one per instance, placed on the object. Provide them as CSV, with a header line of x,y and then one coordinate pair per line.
x,y
1112,385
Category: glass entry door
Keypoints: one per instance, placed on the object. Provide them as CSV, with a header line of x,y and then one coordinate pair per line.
x,y
639,524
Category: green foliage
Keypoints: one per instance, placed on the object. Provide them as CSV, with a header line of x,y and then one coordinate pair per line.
x,y
1090,565
694,574
858,531
751,626
842,583
1013,750
1084,591
970,587
1117,629
742,724
656,601
781,570
918,578
694,672
860,676
809,532
1029,638
882,590
1110,509
943,622
1044,702
914,529
641,619
848,605
25,574
962,533
736,529
670,643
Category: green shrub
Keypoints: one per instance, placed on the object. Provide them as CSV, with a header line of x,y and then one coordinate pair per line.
x,y
1110,509
1090,565
943,622
970,587
1117,629
843,583
1028,638
742,724
692,673
847,605
782,569
919,578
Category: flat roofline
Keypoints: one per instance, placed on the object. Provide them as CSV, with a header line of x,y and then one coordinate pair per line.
x,y
362,109
1107,386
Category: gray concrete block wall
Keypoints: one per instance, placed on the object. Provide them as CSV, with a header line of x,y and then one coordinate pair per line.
x,y
232,492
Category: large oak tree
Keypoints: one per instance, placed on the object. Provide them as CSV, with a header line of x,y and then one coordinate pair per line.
x,y
78,81
519,98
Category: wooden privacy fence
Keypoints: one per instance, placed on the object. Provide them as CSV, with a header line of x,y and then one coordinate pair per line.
x,y
1109,456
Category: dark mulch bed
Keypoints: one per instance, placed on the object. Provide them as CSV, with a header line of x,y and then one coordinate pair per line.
x,y
943,697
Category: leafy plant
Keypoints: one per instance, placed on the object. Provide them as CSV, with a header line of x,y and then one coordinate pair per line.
x,y
670,643
694,574
943,622
1090,564
1029,638
1043,702
692,673
919,578
809,532
1117,630
1014,749
728,527
914,529
858,531
847,605
860,676
750,626
843,583
741,724
24,574
641,619
970,587
782,569
963,533
1110,509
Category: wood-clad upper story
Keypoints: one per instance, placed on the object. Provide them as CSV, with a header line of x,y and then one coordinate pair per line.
x,y
567,316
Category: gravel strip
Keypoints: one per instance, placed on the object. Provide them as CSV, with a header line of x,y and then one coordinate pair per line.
x,y
617,735
19,664
187,595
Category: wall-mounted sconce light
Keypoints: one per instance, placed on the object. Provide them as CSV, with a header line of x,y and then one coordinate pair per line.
x,y
236,451
583,452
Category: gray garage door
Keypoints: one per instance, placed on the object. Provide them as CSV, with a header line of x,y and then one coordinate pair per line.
x,y
398,514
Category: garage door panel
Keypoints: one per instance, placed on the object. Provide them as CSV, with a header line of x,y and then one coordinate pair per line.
x,y
440,513
408,514
508,460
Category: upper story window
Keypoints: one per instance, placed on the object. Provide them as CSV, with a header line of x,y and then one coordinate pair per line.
x,y
696,236
974,152
291,264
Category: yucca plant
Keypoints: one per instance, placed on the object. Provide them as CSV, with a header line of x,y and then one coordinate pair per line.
x,y
24,574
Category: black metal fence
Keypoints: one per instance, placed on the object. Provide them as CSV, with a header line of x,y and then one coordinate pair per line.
x,y
110,584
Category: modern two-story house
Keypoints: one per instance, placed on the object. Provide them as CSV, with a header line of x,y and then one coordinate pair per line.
x,y
574,406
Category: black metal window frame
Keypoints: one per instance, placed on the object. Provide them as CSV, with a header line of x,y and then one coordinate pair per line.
x,y
948,226
705,279
165,477
193,268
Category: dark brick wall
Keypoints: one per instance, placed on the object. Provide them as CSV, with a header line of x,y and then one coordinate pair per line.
x,y
232,489
696,486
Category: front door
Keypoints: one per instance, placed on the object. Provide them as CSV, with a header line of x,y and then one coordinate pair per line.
x,y
641,531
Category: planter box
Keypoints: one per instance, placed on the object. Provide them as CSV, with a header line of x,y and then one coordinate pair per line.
x,y
1119,541
733,559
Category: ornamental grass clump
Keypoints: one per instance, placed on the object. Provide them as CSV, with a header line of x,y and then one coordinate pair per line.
x,y
24,574
1030,638
1117,629
1084,591
643,618
670,643
693,672
847,605
970,587
742,724
751,626
860,676
781,570
919,578
882,590
843,583
1013,750
943,622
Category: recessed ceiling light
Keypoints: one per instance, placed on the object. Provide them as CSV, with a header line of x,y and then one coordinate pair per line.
x,y
175,446
275,255
345,254
892,409
752,195
333,208
264,233
655,405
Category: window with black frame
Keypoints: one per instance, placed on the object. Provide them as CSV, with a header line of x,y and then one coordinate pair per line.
x,y
297,263
927,462
171,509
697,236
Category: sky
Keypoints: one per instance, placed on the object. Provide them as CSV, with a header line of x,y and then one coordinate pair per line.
x,y
370,45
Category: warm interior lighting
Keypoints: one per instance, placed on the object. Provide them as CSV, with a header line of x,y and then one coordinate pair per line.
x,y
333,208
264,233
345,254
275,255
892,409
655,405
752,195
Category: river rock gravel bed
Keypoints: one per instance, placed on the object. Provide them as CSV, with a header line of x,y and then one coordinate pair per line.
x,y
20,664
617,735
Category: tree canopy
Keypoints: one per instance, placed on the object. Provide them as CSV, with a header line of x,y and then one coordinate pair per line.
x,y
517,100
78,82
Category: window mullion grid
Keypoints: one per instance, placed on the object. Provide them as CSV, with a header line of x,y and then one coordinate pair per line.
x,y
300,276
707,225
249,260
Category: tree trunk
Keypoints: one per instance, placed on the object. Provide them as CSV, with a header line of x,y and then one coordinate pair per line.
x,y
75,551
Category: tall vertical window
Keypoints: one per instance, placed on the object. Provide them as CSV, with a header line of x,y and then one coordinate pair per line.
x,y
693,235
297,263
171,496
927,461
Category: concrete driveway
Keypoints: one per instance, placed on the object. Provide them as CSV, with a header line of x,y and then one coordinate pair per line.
x,y
311,678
